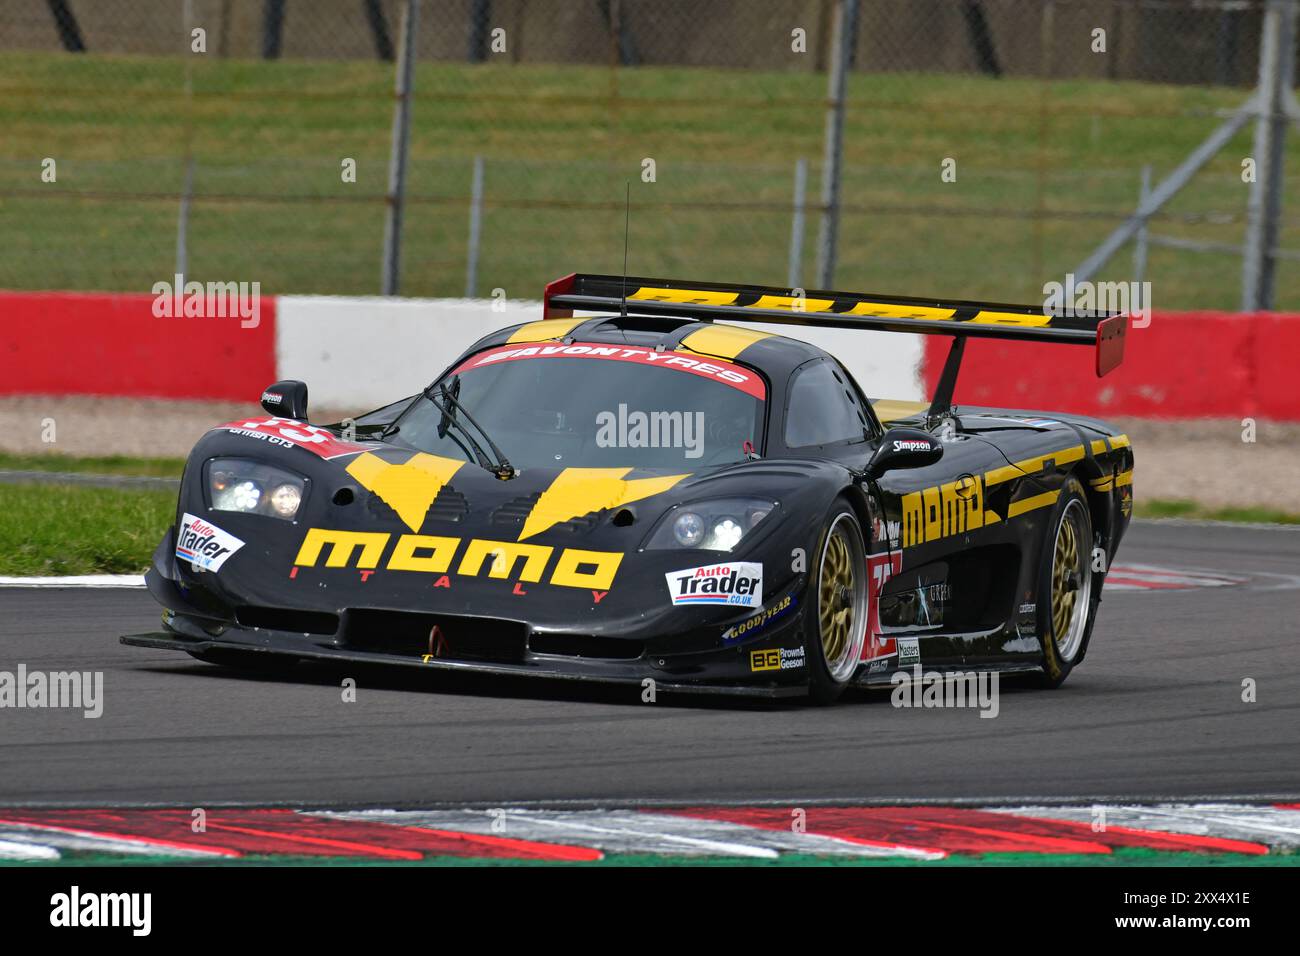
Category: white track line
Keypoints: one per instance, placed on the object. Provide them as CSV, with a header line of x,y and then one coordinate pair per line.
x,y
26,851
76,581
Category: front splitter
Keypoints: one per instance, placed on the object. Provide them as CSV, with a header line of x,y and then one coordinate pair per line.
x,y
165,640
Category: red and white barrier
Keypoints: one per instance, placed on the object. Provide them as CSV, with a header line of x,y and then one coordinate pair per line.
x,y
1181,365
70,343
362,352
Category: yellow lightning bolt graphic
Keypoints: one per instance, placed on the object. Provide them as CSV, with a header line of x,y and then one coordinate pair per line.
x,y
581,491
408,488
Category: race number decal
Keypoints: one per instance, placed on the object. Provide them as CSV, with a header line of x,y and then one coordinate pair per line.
x,y
880,568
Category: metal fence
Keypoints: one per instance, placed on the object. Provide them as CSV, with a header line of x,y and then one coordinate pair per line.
x,y
987,146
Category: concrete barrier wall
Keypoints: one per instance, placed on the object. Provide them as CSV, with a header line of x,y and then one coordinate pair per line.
x,y
358,353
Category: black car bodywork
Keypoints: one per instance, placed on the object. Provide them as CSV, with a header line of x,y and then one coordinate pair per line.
x,y
402,557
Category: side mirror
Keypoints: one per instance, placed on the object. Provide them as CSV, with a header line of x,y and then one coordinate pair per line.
x,y
904,448
286,399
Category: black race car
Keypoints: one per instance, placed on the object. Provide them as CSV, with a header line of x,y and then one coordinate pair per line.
x,y
649,494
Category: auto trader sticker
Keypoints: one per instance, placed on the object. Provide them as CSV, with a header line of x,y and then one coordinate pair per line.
x,y
739,584
204,545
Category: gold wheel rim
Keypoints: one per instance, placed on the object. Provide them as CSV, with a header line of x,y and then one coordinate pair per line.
x,y
836,603
1071,582
1065,566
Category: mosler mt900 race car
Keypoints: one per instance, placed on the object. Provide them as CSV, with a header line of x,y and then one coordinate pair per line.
x,y
650,493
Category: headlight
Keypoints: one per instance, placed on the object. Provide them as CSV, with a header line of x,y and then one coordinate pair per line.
x,y
251,487
716,525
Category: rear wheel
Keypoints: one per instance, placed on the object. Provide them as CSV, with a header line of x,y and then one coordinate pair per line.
x,y
1067,594
835,626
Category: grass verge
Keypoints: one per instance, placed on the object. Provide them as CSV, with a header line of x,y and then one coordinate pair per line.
x,y
1190,509
58,529
109,465
1047,169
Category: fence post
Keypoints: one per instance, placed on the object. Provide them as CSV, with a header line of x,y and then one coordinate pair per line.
x,y
392,266
1141,244
797,221
1264,206
846,14
475,229
187,182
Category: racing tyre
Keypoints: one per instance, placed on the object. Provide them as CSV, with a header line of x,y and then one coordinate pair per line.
x,y
253,662
835,621
1068,593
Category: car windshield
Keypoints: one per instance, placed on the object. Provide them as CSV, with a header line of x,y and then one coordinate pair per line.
x,y
593,406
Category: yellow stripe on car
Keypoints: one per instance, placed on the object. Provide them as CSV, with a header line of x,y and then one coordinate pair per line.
x,y
544,329
722,341
1032,504
688,296
1011,318
890,310
792,303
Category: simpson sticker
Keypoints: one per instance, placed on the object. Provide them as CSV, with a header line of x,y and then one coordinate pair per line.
x,y
739,584
909,651
204,545
776,659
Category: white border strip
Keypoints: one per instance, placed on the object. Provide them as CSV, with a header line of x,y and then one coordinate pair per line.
x,y
76,581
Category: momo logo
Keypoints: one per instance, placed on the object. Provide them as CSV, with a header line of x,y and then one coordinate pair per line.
x,y
739,584
205,546
437,555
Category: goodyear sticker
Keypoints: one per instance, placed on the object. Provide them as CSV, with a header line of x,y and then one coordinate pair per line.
x,y
753,625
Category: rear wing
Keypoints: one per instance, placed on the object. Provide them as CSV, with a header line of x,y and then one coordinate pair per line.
x,y
827,310
707,301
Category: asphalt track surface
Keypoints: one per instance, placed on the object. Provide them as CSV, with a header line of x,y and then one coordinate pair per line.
x,y
1155,712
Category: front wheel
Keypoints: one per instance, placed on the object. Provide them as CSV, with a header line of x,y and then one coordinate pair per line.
x,y
1067,595
836,625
